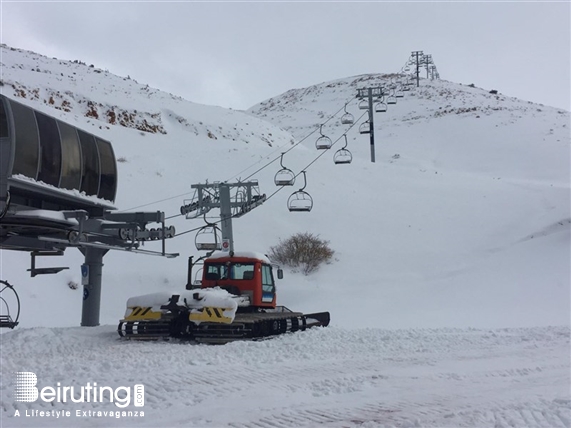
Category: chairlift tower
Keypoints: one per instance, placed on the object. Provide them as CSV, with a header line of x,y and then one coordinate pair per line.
x,y
434,73
232,199
427,61
418,56
367,94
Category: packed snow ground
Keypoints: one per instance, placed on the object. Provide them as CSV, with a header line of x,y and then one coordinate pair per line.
x,y
457,240
331,377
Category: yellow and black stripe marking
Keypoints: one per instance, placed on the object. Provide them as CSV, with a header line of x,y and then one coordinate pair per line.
x,y
210,314
142,313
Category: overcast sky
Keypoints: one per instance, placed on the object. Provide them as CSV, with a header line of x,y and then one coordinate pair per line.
x,y
236,54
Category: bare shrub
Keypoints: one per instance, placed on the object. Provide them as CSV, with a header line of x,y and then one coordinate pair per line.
x,y
305,251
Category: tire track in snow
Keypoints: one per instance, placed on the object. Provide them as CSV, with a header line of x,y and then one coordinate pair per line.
x,y
331,378
433,414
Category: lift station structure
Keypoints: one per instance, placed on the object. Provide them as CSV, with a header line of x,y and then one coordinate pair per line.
x,y
57,189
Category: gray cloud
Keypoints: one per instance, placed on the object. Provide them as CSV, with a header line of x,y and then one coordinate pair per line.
x,y
237,54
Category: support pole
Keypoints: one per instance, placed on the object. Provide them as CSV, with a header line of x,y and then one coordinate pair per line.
x,y
189,274
417,55
92,290
371,124
226,215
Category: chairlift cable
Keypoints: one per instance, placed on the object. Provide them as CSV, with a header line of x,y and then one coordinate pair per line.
x,y
282,187
156,202
344,108
265,166
251,175
336,141
292,147
318,156
190,230
300,141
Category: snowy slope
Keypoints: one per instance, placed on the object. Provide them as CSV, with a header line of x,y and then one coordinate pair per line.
x,y
467,228
319,378
465,215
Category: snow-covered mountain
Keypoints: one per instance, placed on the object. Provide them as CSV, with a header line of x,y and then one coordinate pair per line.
x,y
463,222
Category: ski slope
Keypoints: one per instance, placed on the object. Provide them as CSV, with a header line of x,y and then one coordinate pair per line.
x,y
449,291
330,377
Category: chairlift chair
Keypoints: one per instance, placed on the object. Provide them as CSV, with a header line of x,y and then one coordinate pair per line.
x,y
365,128
300,201
391,99
347,118
363,105
208,238
323,142
6,320
343,156
285,176
197,278
380,107
399,92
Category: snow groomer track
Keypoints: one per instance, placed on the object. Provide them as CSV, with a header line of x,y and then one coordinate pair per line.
x,y
326,377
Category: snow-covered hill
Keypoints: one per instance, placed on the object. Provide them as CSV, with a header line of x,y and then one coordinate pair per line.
x,y
463,222
101,99
331,378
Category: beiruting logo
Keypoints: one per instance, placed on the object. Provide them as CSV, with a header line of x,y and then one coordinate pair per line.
x,y
27,392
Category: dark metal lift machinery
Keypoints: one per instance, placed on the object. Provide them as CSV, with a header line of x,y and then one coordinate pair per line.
x,y
57,187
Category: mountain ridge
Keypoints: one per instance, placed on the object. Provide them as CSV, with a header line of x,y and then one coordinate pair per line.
x,y
434,233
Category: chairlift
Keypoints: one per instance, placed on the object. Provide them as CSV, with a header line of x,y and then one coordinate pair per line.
x,y
197,282
391,99
300,201
399,92
364,105
323,142
365,128
285,176
347,118
380,107
8,298
343,156
208,238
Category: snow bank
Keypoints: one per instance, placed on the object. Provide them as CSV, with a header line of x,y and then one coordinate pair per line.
x,y
248,254
192,299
